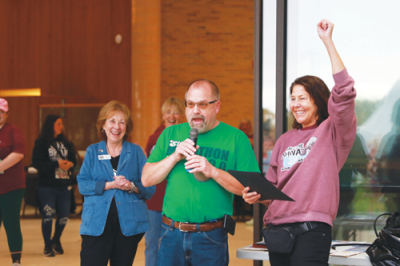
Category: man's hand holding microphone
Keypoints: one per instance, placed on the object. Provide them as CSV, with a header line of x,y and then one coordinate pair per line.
x,y
198,165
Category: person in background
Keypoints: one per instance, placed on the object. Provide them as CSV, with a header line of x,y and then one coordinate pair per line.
x,y
246,126
386,163
12,181
172,112
306,161
54,157
268,146
114,216
355,165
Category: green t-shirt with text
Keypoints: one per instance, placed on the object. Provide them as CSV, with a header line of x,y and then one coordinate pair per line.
x,y
188,200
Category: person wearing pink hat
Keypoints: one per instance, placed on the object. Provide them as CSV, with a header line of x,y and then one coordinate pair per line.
x,y
12,181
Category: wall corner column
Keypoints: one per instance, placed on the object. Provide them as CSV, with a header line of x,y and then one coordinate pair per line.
x,y
146,69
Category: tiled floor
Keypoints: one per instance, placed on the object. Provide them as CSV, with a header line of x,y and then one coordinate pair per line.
x,y
33,245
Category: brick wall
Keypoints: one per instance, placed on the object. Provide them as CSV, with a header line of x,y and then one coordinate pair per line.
x,y
212,40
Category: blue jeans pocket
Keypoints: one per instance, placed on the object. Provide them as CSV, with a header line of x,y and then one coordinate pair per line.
x,y
164,232
217,236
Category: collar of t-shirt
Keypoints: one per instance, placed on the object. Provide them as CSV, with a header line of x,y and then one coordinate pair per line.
x,y
309,128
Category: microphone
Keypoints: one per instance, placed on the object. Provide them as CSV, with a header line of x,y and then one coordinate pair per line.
x,y
194,133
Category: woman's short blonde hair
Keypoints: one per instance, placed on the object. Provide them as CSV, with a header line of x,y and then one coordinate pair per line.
x,y
172,101
109,109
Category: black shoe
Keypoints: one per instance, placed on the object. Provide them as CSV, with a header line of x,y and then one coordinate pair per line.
x,y
56,245
48,251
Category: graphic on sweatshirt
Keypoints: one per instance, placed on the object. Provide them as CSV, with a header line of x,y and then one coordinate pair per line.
x,y
54,156
296,154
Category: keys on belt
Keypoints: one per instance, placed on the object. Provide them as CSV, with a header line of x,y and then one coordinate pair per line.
x,y
190,227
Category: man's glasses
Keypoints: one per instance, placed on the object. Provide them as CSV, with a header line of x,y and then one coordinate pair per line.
x,y
201,105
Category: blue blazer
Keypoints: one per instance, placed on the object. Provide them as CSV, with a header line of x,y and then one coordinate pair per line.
x,y
132,207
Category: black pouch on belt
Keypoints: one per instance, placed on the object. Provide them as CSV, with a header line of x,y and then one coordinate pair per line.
x,y
281,238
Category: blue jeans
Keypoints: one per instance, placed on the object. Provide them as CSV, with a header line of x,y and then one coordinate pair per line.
x,y
152,236
54,200
192,248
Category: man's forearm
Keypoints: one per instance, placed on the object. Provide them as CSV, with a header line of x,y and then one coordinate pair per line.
x,y
154,173
228,182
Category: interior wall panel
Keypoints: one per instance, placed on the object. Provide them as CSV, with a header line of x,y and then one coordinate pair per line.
x,y
67,48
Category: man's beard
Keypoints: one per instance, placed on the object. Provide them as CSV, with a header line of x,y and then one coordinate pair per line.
x,y
201,127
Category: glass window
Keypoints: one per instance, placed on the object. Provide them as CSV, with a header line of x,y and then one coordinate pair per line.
x,y
268,80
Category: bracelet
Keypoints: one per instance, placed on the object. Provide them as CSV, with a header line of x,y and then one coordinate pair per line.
x,y
133,188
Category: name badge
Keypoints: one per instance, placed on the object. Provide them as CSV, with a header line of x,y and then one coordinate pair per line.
x,y
104,157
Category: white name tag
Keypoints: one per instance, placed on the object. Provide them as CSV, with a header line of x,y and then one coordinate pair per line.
x,y
104,157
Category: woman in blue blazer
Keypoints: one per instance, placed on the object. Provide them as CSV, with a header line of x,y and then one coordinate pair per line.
x,y
114,216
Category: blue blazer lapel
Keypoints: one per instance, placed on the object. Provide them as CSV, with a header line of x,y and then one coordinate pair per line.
x,y
107,163
125,155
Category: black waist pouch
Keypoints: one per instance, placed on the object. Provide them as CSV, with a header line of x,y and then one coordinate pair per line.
x,y
281,238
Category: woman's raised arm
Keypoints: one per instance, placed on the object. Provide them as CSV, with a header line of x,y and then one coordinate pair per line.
x,y
325,29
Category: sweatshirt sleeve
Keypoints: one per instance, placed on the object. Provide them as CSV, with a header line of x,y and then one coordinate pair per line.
x,y
41,160
86,184
341,110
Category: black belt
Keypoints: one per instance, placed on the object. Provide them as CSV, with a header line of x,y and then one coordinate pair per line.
x,y
300,227
306,226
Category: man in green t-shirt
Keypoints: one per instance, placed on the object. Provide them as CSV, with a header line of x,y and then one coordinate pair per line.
x,y
199,189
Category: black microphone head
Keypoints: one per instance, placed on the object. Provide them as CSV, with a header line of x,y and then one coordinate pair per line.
x,y
194,133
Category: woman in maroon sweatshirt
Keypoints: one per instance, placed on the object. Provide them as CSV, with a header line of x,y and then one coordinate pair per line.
x,y
306,161
173,112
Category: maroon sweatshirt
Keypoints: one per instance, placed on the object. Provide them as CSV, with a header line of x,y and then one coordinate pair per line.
x,y
156,202
11,140
305,164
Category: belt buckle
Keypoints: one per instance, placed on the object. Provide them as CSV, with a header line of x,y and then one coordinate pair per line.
x,y
180,227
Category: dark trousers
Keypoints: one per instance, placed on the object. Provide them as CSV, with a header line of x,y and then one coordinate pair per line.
x,y
311,249
10,206
111,245
54,200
